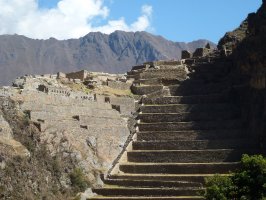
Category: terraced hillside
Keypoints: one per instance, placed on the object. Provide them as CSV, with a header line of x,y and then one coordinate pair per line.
x,y
189,127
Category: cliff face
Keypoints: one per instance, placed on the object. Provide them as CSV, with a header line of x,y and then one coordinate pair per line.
x,y
114,53
248,45
27,170
249,49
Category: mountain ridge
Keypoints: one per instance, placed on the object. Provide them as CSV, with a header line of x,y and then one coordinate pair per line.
x,y
113,53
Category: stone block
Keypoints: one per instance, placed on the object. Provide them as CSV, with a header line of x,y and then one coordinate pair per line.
x,y
101,121
82,75
141,90
61,75
185,54
201,52
126,105
178,73
77,81
139,67
118,85
208,46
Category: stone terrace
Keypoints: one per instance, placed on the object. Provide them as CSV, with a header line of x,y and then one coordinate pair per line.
x,y
188,128
88,127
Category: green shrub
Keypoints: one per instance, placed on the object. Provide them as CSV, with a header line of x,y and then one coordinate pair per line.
x,y
78,180
248,183
218,187
250,180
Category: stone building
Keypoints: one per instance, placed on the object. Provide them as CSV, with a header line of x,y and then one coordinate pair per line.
x,y
82,75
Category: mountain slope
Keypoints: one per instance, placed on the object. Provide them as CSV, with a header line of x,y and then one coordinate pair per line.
x,y
114,53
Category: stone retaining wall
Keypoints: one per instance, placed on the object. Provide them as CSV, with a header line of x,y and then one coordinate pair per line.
x,y
126,105
119,85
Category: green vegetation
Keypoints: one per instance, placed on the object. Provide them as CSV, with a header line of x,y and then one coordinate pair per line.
x,y
26,117
78,180
248,183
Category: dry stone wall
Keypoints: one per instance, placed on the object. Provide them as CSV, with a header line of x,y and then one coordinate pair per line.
x,y
119,85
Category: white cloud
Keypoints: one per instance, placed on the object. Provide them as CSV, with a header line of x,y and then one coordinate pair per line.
x,y
142,23
70,19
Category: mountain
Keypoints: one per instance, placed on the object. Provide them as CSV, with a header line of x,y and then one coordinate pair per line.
x,y
114,53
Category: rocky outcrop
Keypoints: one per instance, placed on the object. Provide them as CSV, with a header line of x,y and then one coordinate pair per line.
x,y
249,70
8,145
27,170
80,130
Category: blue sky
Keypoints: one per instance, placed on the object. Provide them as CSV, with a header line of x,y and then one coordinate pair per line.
x,y
177,20
187,20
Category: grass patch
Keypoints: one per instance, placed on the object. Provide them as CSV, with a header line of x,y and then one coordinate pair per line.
x,y
78,180
105,90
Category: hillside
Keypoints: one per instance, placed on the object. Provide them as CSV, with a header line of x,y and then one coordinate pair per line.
x,y
114,53
159,130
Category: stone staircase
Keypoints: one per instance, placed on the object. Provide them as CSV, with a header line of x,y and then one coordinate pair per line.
x,y
188,131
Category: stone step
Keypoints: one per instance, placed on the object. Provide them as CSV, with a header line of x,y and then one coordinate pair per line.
x,y
193,144
196,99
134,72
194,125
195,178
187,88
178,168
150,183
138,67
209,70
135,76
141,90
190,135
152,81
177,108
187,156
219,64
210,67
146,197
158,93
177,73
209,77
186,117
127,191
161,81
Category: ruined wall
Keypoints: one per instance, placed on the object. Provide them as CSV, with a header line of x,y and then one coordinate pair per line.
x,y
119,85
126,105
77,75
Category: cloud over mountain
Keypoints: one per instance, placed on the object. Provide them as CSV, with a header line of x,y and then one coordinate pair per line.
x,y
69,19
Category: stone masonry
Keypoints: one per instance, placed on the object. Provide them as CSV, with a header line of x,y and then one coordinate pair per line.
x,y
188,128
78,124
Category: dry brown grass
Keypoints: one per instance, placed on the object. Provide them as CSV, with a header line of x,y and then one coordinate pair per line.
x,y
105,90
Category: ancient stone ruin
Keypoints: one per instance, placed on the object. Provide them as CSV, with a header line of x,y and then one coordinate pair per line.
x,y
189,127
88,126
155,133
